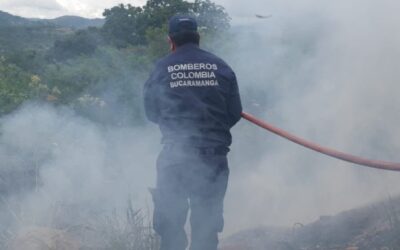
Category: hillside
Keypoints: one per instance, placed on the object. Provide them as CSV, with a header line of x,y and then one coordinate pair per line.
x,y
7,19
73,22
76,22
23,34
19,38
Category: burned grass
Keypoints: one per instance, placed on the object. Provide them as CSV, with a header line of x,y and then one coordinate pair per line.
x,y
374,227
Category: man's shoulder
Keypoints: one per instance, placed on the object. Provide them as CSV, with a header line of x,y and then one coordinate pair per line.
x,y
163,60
161,64
222,64
213,56
193,55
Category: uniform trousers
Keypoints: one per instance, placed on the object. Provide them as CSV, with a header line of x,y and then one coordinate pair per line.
x,y
190,178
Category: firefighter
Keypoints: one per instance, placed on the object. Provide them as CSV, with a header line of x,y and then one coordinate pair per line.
x,y
193,96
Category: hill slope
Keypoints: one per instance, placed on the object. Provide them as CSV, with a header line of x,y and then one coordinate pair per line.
x,y
73,22
7,19
76,22
23,34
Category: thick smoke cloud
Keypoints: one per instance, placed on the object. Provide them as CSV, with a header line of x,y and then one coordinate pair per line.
x,y
327,72
82,169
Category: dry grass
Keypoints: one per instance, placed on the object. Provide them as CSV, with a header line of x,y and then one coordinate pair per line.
x,y
43,239
129,230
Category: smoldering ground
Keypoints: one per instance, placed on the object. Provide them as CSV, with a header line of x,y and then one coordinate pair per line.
x,y
327,72
84,172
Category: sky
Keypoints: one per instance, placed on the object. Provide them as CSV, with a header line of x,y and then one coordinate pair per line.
x,y
55,8
94,8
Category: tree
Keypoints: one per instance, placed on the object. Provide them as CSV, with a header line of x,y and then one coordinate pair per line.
x,y
17,86
157,12
13,86
212,18
129,25
82,42
124,25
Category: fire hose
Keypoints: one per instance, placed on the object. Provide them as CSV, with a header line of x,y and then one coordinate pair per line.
x,y
393,166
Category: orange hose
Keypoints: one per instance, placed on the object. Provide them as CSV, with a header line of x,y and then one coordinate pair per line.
x,y
393,166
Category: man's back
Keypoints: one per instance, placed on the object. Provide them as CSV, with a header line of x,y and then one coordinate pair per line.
x,y
193,96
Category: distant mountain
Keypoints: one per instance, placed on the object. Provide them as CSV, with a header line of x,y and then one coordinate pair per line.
x,y
76,22
73,22
7,19
23,34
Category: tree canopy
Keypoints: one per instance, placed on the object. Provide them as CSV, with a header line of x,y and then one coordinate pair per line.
x,y
127,24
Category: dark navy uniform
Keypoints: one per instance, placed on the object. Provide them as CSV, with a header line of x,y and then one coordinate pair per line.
x,y
193,96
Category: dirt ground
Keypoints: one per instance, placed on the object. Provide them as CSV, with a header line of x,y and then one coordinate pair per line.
x,y
374,227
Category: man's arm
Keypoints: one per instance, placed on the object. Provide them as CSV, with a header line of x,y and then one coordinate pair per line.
x,y
234,103
150,91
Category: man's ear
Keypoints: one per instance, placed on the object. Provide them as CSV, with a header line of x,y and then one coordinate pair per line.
x,y
172,45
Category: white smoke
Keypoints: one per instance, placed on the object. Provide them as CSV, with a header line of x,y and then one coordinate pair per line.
x,y
327,72
77,164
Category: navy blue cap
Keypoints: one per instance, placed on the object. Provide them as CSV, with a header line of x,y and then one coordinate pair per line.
x,y
182,23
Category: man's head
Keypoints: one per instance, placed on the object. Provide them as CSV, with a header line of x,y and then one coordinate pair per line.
x,y
183,30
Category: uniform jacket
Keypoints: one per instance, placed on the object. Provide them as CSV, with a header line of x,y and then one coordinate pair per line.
x,y
193,96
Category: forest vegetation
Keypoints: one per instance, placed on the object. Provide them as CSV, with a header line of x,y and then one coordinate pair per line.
x,y
97,67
